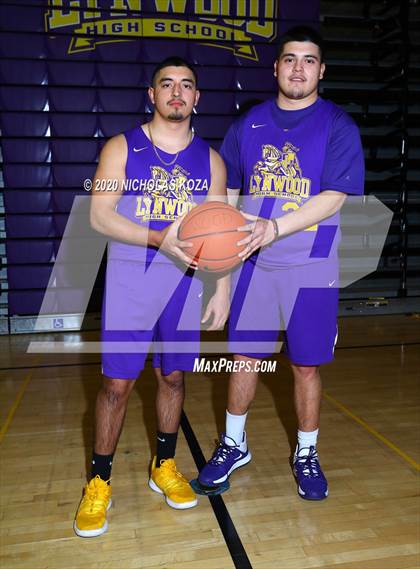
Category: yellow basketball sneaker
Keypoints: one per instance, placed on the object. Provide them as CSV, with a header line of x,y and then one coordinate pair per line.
x,y
168,481
91,516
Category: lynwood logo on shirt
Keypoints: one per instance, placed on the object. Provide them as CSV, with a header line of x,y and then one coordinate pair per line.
x,y
167,195
279,175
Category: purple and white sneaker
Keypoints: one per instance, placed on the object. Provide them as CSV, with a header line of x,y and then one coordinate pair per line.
x,y
226,458
312,484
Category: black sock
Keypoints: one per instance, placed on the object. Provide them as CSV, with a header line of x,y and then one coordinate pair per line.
x,y
102,464
166,443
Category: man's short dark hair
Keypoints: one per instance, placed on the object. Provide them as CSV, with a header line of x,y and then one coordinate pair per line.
x,y
173,62
302,33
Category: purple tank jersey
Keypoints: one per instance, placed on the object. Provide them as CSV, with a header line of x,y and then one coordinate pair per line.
x,y
282,167
156,194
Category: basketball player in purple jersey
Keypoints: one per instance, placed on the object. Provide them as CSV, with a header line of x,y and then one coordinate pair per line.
x,y
163,169
295,158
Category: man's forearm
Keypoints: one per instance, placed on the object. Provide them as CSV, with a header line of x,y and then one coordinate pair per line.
x,y
116,226
316,209
223,284
233,197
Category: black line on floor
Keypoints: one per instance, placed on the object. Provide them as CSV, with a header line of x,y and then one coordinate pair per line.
x,y
232,539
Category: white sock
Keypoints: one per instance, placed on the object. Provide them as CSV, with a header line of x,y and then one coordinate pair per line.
x,y
235,425
306,439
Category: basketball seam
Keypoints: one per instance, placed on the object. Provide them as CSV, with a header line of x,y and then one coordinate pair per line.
x,y
214,208
199,258
193,214
208,234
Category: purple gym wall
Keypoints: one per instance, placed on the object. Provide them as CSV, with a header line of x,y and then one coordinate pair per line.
x,y
75,73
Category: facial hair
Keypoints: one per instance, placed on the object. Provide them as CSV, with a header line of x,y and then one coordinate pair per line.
x,y
175,115
295,92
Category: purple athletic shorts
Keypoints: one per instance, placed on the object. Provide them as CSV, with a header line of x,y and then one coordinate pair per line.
x,y
158,308
301,300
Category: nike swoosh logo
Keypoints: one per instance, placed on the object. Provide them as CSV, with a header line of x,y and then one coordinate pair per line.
x,y
257,125
139,149
161,440
331,283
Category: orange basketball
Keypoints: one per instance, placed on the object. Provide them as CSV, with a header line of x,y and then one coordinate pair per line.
x,y
212,228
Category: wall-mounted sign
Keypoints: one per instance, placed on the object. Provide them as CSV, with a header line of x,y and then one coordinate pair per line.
x,y
235,25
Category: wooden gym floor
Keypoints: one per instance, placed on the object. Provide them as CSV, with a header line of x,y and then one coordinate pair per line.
x,y
369,449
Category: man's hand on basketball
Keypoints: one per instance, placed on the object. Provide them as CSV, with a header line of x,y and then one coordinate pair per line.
x,y
261,231
174,246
